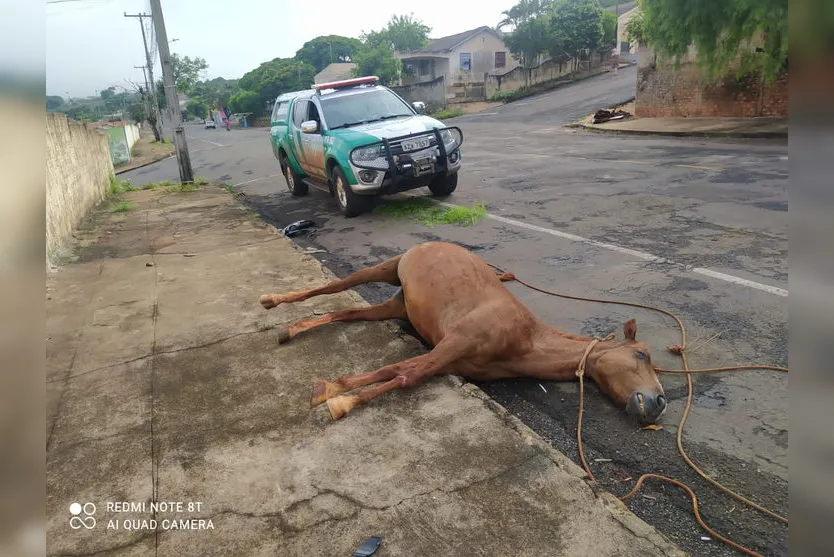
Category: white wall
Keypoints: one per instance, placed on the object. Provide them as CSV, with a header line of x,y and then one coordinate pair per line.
x,y
132,135
482,48
78,170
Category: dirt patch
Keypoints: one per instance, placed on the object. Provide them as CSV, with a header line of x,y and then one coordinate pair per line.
x,y
471,108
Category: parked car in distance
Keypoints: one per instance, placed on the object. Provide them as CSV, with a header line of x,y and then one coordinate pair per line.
x,y
359,140
211,124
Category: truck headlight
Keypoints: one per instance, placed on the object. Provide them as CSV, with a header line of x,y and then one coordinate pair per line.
x,y
451,138
368,153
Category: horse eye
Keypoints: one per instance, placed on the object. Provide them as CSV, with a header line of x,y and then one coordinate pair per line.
x,y
641,355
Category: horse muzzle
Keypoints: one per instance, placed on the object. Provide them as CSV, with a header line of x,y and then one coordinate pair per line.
x,y
646,407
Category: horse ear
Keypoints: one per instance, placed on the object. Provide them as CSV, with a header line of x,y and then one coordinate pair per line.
x,y
630,329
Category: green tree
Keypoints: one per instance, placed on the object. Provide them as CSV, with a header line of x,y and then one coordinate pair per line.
x,y
530,38
107,93
247,101
187,71
575,26
197,108
216,92
407,33
82,112
54,102
281,75
754,32
317,52
379,61
161,99
137,111
523,12
609,28
403,33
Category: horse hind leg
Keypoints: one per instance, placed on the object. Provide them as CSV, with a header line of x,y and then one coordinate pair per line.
x,y
384,272
393,308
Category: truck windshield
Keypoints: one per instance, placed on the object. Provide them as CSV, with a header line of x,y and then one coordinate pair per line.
x,y
361,108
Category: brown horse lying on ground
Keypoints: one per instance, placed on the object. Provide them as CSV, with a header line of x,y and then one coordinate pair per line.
x,y
479,330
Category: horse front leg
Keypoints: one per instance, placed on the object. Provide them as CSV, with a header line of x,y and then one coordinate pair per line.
x,y
405,374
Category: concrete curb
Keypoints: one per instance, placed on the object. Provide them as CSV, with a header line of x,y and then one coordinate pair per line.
x,y
712,134
580,125
617,509
150,162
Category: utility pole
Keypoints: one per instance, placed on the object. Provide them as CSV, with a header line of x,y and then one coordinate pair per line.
x,y
183,157
155,120
616,62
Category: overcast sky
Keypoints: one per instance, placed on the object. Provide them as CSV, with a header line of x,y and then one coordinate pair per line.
x,y
90,45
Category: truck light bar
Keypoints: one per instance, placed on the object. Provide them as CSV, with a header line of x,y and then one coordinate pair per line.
x,y
345,83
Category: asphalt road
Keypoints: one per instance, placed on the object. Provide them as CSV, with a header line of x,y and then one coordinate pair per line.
x,y
698,227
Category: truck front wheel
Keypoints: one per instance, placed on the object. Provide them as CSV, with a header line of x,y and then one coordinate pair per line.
x,y
352,205
444,185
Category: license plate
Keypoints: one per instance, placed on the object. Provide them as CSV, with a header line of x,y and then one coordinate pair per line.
x,y
416,144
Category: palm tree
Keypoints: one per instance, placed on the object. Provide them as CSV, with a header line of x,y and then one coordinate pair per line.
x,y
523,12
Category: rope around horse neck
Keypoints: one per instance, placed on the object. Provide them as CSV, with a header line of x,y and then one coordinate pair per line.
x,y
681,351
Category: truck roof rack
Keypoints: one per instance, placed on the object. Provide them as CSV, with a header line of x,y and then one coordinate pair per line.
x,y
345,83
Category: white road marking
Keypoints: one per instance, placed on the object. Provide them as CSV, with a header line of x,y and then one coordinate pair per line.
x,y
255,180
212,142
742,281
634,253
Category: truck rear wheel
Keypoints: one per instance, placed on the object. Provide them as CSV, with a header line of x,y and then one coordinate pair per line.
x,y
444,185
294,183
351,204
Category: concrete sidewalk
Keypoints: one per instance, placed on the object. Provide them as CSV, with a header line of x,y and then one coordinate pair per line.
x,y
692,127
166,385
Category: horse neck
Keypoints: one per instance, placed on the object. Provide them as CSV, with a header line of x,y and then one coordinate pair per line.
x,y
557,354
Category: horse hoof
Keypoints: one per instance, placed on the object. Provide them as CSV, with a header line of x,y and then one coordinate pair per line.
x,y
268,301
283,334
319,393
339,406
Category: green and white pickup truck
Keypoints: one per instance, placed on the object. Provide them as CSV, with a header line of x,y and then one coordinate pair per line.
x,y
359,140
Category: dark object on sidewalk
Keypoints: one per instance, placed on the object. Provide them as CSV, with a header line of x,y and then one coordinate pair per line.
x,y
297,227
368,547
604,115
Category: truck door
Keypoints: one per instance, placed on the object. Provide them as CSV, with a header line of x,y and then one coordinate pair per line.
x,y
299,114
314,145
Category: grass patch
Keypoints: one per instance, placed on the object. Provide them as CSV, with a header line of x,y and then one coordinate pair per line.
x,y
122,207
181,188
163,141
200,181
117,185
155,185
430,214
448,113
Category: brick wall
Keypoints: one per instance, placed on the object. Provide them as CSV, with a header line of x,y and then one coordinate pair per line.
x,y
663,92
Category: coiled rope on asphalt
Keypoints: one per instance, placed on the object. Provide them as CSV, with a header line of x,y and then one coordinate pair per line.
x,y
679,349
